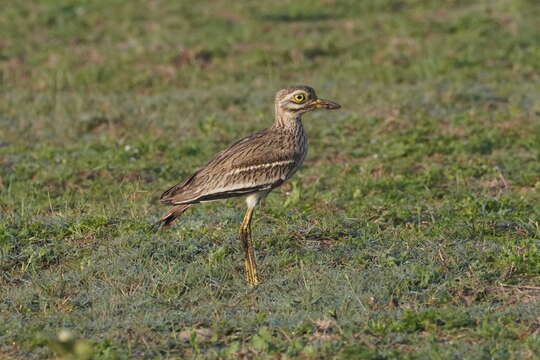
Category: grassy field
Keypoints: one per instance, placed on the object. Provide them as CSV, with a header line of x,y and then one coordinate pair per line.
x,y
411,232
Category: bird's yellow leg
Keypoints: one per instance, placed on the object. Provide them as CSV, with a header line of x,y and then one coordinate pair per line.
x,y
247,245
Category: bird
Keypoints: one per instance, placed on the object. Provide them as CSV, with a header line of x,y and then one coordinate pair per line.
x,y
251,167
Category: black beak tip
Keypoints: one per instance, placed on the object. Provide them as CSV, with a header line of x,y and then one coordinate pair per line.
x,y
330,105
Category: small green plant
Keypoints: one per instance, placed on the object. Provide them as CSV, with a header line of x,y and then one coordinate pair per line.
x,y
68,347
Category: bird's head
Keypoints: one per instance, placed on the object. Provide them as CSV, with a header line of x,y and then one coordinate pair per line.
x,y
296,100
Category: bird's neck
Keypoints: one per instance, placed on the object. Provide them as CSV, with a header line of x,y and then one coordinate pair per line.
x,y
287,120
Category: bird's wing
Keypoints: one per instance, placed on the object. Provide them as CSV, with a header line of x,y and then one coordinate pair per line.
x,y
258,162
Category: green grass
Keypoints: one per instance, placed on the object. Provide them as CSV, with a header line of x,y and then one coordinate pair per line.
x,y
412,231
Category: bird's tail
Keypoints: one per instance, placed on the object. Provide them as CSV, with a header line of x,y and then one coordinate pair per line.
x,y
168,218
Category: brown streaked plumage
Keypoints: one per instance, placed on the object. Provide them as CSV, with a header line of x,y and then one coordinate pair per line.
x,y
252,166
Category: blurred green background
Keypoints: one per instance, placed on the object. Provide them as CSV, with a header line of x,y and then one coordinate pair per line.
x,y
411,231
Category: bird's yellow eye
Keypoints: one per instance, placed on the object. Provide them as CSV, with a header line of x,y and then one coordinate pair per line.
x,y
299,98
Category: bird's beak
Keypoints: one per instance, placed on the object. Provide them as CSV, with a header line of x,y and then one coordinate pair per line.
x,y
324,104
